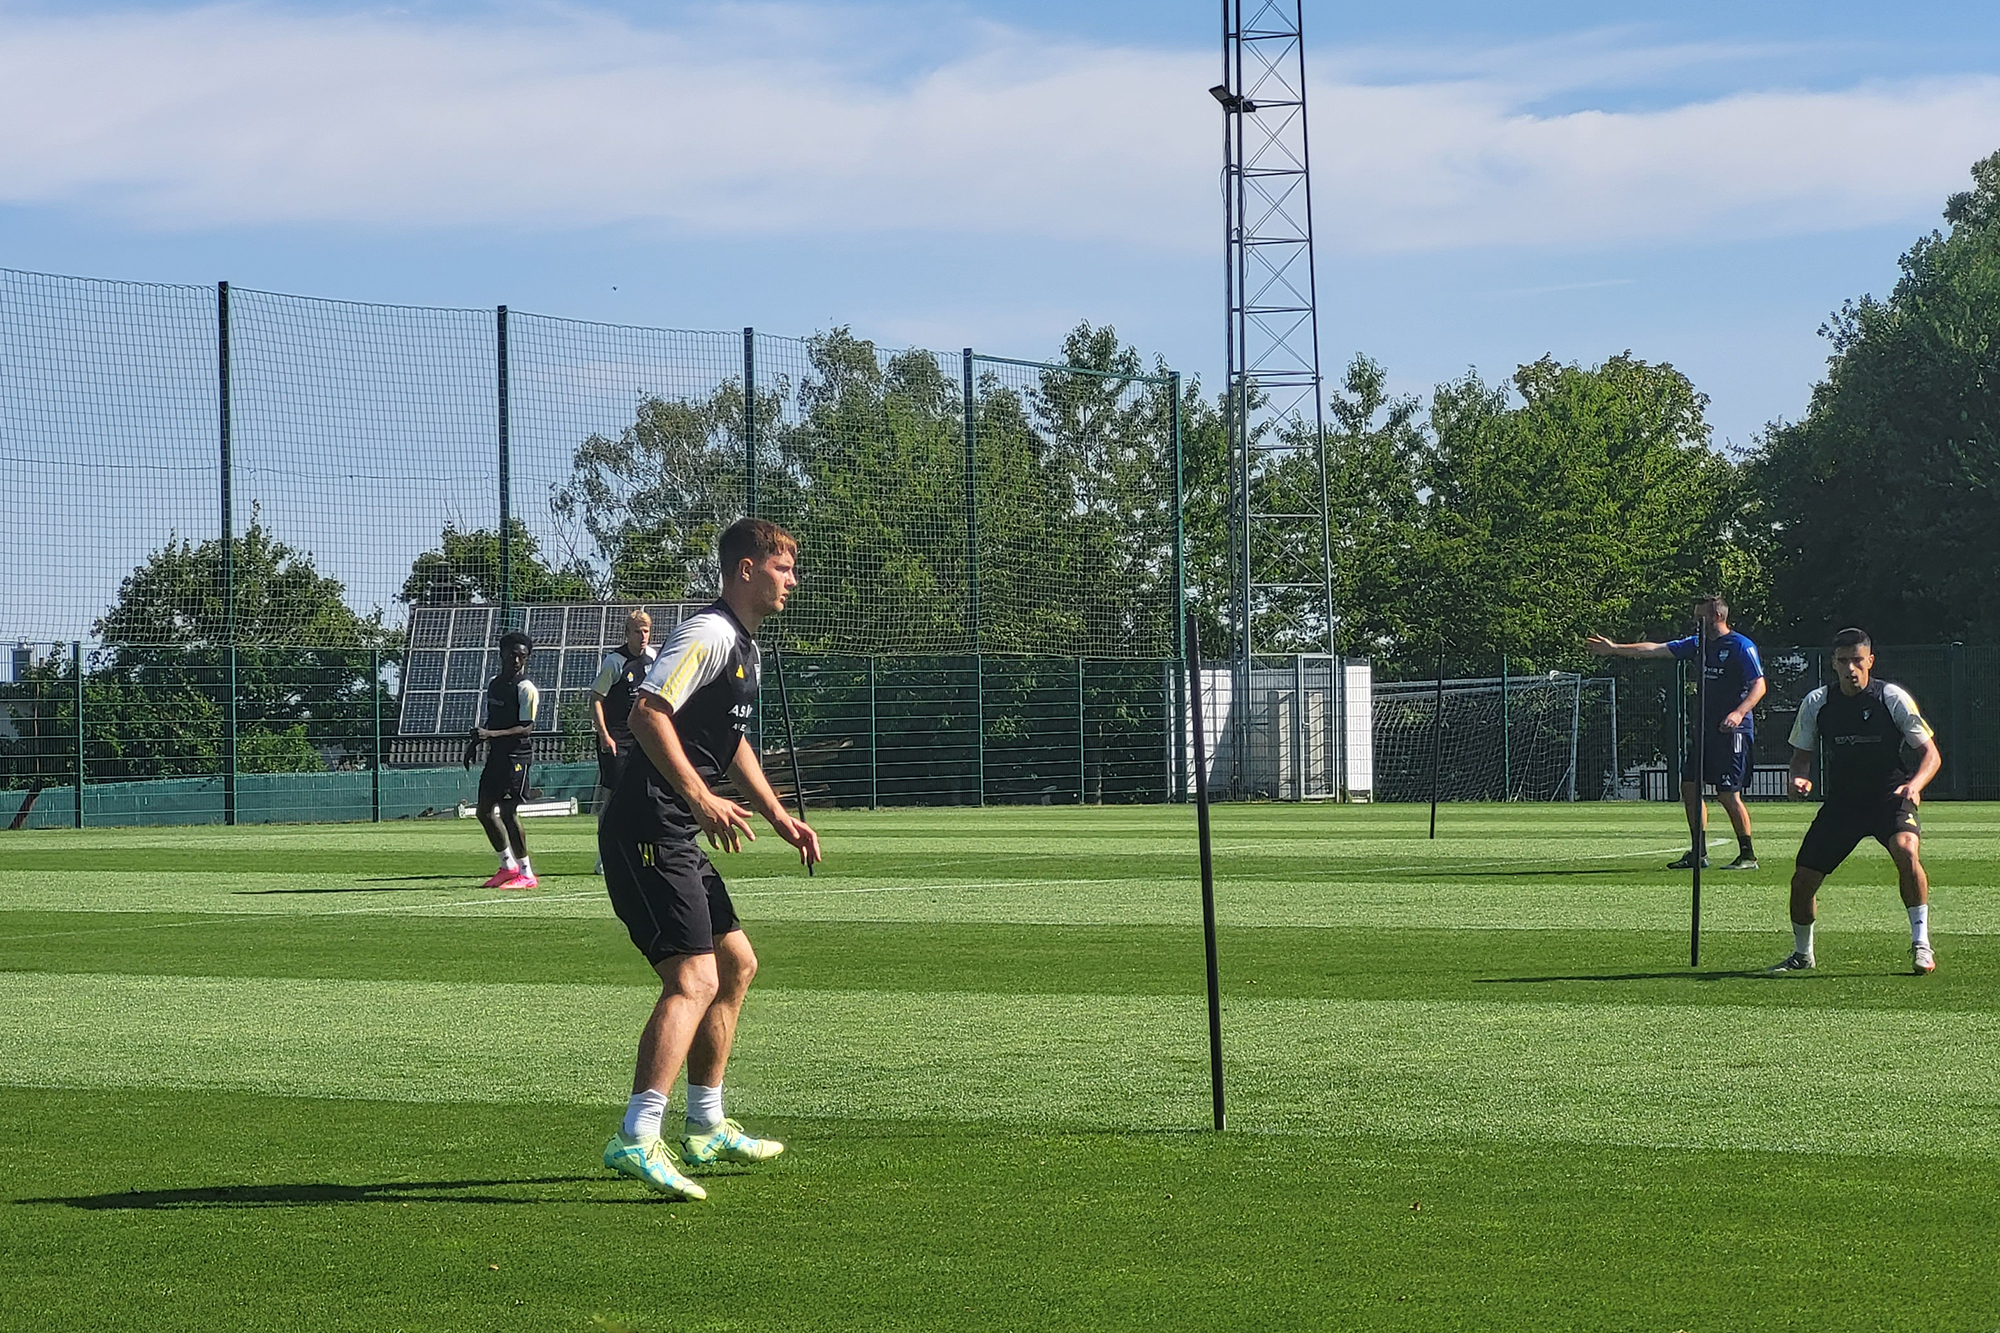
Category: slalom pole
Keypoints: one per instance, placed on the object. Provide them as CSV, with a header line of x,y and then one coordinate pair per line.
x,y
1700,840
1207,868
1437,743
791,743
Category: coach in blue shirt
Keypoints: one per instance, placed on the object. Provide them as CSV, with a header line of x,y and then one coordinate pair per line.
x,y
1733,679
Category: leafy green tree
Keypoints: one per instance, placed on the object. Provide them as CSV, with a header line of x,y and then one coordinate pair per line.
x,y
1882,506
464,570
1595,505
655,498
155,694
870,472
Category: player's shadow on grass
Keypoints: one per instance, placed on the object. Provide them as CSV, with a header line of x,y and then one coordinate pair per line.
x,y
320,1194
1543,872
1684,974
386,883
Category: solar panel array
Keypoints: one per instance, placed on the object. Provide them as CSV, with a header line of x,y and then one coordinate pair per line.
x,y
455,650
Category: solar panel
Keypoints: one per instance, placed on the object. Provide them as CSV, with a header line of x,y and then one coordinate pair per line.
x,y
454,651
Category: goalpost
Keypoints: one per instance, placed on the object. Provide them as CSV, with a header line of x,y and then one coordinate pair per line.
x,y
1533,738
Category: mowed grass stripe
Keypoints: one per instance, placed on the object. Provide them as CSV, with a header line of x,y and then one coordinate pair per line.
x,y
1544,897
1721,1077
1861,966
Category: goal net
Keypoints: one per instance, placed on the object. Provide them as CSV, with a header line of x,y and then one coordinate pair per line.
x,y
1535,738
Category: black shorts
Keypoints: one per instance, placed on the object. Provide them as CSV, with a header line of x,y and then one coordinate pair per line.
x,y
1725,761
503,782
610,765
667,893
1838,829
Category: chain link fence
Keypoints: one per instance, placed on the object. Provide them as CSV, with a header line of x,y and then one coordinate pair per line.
x,y
231,509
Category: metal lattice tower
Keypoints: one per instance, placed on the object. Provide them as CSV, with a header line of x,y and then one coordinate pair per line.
x,y
1282,550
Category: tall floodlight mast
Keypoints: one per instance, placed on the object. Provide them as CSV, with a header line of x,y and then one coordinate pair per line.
x,y
1275,419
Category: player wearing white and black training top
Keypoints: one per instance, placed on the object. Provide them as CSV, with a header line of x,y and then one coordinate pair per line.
x,y
512,704
688,721
611,694
1878,756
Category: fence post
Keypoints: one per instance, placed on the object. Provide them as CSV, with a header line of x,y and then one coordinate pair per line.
x,y
230,759
1179,666
227,465
1575,720
972,572
76,658
1298,726
1082,763
872,731
1180,536
506,487
375,767
1506,737
750,421
1955,756
1340,790
1617,774
1677,730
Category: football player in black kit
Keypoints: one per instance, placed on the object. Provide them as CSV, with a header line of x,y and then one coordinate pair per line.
x,y
511,705
1870,729
688,719
618,678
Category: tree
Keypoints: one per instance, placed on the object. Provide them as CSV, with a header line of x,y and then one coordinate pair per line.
x,y
655,498
1879,508
1594,505
464,570
301,669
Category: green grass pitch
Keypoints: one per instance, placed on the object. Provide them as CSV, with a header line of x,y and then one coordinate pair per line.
x,y
314,1078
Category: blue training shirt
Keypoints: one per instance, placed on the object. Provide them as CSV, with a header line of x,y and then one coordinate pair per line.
x,y
1732,668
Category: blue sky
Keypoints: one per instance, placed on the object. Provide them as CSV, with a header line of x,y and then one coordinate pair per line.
x,y
1493,182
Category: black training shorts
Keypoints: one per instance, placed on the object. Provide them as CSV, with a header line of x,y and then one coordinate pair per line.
x,y
503,782
667,893
1838,829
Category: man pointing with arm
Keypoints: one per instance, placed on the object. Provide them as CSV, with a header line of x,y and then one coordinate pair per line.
x,y
1734,681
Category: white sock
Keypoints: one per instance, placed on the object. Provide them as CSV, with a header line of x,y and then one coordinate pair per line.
x,y
644,1113
507,861
1802,938
1920,924
526,869
704,1106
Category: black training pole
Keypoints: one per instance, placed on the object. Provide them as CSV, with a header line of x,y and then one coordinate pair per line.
x,y
791,744
1700,839
1207,868
1437,743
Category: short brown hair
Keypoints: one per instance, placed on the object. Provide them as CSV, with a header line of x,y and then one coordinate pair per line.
x,y
1716,600
752,539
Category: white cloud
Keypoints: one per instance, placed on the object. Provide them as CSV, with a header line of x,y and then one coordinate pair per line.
x,y
763,122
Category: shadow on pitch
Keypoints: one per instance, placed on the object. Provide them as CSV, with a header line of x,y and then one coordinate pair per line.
x,y
388,883
1738,974
319,1194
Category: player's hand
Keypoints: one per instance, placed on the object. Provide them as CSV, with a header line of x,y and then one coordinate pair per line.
x,y
482,733
796,832
1733,722
726,823
1600,645
1909,793
1801,788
